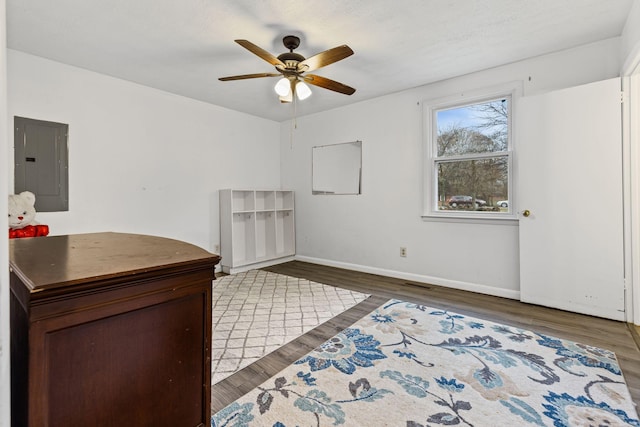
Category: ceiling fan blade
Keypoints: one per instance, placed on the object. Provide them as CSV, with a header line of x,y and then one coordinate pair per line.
x,y
325,58
271,59
328,84
249,76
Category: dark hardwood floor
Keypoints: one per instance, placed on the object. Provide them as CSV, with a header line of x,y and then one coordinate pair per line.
x,y
619,337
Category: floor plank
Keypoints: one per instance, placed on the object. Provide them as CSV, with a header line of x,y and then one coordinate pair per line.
x,y
622,338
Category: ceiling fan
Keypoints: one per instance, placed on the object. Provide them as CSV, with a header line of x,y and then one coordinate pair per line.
x,y
293,68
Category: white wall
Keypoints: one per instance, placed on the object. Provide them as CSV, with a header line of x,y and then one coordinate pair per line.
x,y
365,232
141,160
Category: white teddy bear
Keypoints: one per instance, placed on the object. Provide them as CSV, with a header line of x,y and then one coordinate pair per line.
x,y
22,213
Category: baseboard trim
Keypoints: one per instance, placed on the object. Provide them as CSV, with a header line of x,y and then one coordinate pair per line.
x,y
464,286
256,265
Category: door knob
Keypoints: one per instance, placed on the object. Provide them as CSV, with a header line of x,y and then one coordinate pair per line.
x,y
526,213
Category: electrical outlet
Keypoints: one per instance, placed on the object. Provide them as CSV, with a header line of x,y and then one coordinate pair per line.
x,y
216,249
403,252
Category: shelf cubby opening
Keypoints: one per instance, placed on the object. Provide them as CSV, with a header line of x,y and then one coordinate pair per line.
x,y
265,200
284,200
265,235
245,231
243,201
285,240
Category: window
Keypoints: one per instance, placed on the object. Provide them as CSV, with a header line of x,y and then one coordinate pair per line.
x,y
468,156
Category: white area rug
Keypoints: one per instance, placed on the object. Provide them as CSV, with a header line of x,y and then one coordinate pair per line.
x,y
256,312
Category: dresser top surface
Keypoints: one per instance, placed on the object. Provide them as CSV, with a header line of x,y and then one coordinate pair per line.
x,y
57,261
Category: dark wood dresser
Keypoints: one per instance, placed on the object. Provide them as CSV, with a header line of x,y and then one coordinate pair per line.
x,y
110,329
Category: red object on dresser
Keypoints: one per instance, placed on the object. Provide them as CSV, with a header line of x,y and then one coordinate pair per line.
x,y
29,231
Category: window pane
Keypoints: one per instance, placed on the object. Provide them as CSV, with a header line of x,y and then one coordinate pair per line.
x,y
474,128
473,184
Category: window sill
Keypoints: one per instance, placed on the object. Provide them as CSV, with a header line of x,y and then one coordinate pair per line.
x,y
480,218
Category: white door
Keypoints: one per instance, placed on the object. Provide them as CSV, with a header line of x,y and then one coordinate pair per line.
x,y
569,156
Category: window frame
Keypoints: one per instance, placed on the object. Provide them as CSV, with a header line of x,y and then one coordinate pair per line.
x,y
431,160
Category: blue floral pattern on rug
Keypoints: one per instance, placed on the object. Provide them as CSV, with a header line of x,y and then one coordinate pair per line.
x,y
345,352
410,365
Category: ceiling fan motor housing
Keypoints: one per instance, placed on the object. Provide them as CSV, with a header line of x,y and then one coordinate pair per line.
x,y
290,56
291,59
291,42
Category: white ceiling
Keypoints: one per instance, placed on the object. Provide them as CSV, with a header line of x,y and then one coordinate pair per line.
x,y
183,46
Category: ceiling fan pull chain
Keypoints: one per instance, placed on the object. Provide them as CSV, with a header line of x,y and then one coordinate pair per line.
x,y
294,125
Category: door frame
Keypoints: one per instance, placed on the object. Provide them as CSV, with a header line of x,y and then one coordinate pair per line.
x,y
630,74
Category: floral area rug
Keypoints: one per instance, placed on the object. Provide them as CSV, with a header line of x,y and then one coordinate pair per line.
x,y
411,365
256,312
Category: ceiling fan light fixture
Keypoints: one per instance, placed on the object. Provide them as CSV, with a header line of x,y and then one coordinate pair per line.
x,y
283,87
302,91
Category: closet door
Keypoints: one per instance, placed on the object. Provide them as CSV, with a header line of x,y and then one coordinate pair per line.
x,y
569,157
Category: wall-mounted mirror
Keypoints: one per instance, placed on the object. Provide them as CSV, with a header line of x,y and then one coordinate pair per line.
x,y
337,168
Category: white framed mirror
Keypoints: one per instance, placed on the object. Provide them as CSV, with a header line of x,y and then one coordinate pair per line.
x,y
337,168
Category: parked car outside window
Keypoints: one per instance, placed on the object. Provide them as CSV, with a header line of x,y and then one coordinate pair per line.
x,y
502,203
464,201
